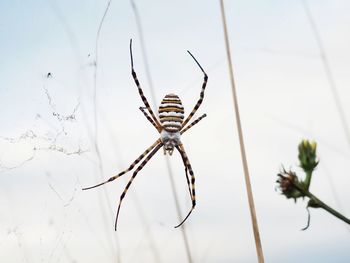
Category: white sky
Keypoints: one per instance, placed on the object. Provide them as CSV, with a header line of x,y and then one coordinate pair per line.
x,y
283,94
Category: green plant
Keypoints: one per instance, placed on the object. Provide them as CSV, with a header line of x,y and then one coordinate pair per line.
x,y
293,187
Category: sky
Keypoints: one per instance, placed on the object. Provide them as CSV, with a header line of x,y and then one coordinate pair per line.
x,y
70,119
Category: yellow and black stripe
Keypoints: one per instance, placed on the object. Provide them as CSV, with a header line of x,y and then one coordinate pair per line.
x,y
171,113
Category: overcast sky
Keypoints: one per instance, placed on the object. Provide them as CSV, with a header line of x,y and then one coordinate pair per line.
x,y
48,143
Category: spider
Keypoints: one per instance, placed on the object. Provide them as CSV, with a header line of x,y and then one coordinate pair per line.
x,y
171,124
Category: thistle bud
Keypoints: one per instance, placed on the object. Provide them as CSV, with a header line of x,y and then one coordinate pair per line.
x,y
286,184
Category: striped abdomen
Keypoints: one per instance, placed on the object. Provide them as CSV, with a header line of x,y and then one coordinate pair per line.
x,y
171,113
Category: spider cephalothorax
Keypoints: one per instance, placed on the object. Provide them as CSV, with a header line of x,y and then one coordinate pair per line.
x,y
171,124
169,140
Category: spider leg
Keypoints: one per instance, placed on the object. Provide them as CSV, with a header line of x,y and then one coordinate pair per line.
x,y
193,123
186,171
132,178
144,99
148,117
157,143
193,196
199,102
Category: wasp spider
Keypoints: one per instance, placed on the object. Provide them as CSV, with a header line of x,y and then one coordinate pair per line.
x,y
171,124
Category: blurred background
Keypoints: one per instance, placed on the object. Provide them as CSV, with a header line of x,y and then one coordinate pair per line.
x,y
70,119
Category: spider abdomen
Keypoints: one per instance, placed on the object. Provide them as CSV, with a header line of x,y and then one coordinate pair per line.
x,y
171,113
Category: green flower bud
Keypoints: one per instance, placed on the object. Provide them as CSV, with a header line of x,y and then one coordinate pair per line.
x,y
307,155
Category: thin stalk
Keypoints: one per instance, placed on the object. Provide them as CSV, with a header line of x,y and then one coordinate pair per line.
x,y
328,71
116,254
241,141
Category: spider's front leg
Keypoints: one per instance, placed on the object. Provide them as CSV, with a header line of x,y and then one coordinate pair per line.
x,y
201,96
143,97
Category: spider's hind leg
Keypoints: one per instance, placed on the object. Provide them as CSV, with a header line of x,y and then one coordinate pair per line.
x,y
132,178
191,186
130,167
186,172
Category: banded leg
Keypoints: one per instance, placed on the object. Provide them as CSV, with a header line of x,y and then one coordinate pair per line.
x,y
132,178
144,99
149,118
188,165
186,171
193,123
157,143
201,96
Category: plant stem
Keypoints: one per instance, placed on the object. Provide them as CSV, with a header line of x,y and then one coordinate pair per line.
x,y
327,208
307,180
319,203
